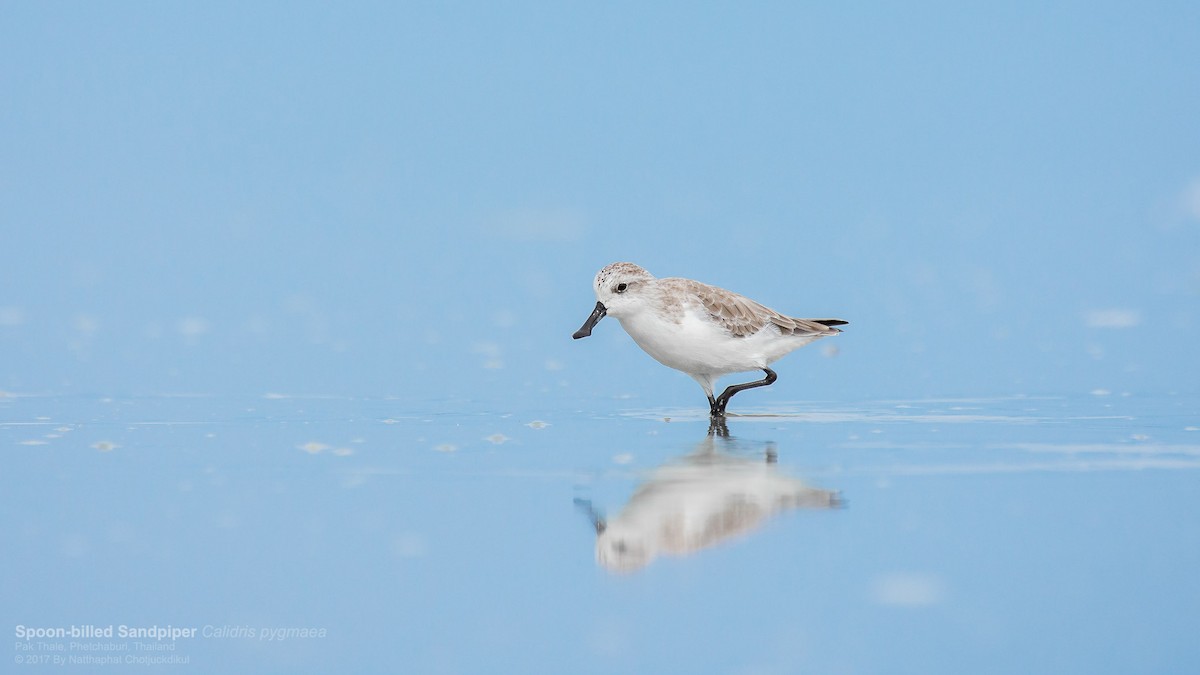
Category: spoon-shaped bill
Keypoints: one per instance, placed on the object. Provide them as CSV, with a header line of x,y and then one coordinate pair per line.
x,y
586,329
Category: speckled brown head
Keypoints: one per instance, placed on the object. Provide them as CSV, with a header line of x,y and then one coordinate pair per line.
x,y
611,283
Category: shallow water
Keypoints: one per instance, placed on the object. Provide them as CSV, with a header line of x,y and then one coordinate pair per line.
x,y
992,535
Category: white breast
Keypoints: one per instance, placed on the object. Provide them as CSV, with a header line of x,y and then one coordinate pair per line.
x,y
695,344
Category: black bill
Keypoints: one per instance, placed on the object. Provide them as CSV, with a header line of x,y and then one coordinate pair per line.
x,y
586,329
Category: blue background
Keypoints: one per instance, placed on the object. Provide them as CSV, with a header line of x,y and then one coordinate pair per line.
x,y
233,231
208,197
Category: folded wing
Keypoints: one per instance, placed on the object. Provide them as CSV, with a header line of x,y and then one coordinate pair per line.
x,y
743,317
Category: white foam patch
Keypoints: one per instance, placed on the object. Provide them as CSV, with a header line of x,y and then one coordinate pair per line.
x,y
87,325
491,353
11,316
409,545
1115,317
907,590
192,326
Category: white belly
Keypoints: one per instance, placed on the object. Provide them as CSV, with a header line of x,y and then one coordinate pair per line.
x,y
696,345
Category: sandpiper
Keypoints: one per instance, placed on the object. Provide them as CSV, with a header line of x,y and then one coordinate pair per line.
x,y
699,329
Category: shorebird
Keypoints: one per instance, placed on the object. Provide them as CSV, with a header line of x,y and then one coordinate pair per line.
x,y
701,330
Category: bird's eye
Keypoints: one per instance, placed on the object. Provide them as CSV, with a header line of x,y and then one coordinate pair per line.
x,y
622,287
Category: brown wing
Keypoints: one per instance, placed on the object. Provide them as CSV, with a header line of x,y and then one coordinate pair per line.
x,y
742,316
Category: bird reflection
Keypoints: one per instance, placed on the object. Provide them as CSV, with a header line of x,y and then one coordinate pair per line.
x,y
724,488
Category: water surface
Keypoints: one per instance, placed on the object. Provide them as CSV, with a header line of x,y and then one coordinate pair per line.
x,y
992,535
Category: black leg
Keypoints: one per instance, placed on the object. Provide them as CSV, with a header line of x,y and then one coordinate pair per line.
x,y
712,406
718,406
